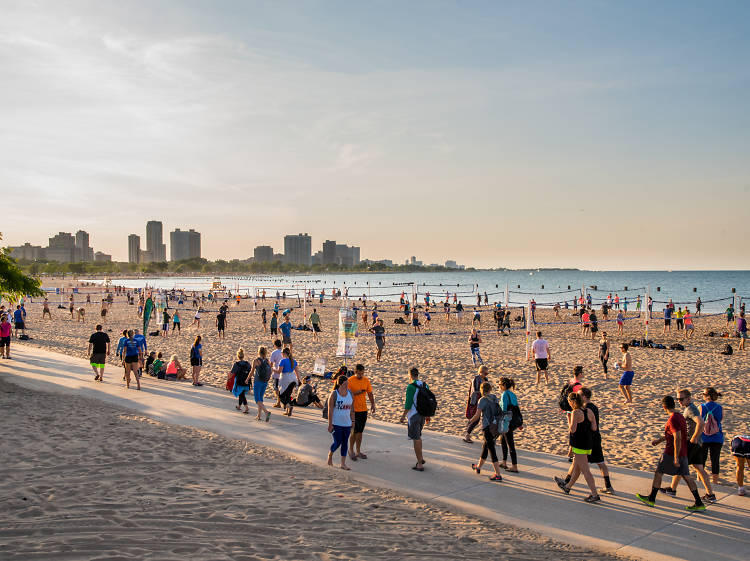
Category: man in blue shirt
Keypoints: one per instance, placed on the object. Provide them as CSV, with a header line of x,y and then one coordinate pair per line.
x,y
18,317
667,319
286,333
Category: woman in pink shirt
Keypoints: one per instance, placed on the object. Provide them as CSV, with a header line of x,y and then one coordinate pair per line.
x,y
5,337
687,318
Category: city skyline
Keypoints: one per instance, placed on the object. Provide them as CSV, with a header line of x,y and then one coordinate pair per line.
x,y
501,135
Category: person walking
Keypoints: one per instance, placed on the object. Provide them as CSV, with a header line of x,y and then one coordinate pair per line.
x,y
275,323
696,458
509,402
263,319
221,323
288,380
286,332
132,355
262,371
713,437
360,387
687,318
196,359
604,352
626,380
488,408
741,453
542,356
276,357
340,419
98,351
674,458
415,421
474,340
475,394
581,426
242,373
5,336
742,330
315,323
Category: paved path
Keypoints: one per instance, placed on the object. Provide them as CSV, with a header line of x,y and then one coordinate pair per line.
x,y
529,499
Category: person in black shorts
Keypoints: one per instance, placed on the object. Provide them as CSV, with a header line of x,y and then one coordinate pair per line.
x,y
98,350
221,323
360,388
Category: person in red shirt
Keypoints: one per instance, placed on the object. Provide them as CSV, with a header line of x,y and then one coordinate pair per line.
x,y
674,459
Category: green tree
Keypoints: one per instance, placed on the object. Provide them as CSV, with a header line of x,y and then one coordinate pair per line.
x,y
13,283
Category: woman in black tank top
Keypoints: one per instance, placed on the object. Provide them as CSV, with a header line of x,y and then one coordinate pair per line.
x,y
581,426
604,352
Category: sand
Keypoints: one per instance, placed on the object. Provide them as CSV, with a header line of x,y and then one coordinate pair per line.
x,y
446,365
85,480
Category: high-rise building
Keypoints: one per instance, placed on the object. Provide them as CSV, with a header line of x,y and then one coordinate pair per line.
x,y
184,245
28,252
62,247
155,241
134,248
83,251
102,257
298,249
329,252
263,254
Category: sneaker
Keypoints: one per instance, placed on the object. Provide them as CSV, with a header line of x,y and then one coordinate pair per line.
x,y
696,507
668,491
608,491
709,498
592,499
561,483
644,499
741,491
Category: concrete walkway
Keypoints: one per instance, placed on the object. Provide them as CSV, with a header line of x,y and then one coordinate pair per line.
x,y
529,499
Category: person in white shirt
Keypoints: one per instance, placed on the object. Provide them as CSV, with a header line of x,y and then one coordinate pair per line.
x,y
540,349
275,360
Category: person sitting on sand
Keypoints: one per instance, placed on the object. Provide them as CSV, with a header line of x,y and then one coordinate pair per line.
x,y
306,395
174,370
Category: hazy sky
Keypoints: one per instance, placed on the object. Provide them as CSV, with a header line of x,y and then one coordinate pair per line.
x,y
583,134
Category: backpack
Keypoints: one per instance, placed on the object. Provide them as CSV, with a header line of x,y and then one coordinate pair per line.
x,y
710,424
727,349
677,347
263,371
562,401
500,423
426,403
517,419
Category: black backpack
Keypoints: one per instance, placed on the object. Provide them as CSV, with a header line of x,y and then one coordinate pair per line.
x,y
426,403
728,350
263,371
562,401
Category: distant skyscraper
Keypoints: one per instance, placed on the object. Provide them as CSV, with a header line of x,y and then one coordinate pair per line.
x,y
134,248
298,249
329,252
83,251
263,254
184,245
62,247
155,241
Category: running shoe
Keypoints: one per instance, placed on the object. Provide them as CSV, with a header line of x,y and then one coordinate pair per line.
x,y
709,498
741,491
561,483
644,499
668,491
608,491
696,507
592,499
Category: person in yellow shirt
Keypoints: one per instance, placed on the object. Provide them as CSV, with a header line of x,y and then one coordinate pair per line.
x,y
359,386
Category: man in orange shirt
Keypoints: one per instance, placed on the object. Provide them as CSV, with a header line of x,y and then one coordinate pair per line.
x,y
359,385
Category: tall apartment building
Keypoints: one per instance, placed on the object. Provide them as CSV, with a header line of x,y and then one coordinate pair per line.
x,y
184,245
155,241
298,249
134,248
263,254
62,247
83,251
329,252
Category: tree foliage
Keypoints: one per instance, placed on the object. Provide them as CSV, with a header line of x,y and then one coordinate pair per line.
x,y
13,282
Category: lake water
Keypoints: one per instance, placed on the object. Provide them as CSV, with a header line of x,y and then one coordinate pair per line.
x,y
545,286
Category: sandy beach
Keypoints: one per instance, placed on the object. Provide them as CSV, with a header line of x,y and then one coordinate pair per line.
x,y
87,480
445,362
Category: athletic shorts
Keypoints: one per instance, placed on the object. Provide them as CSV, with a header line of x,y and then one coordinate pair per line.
x,y
316,327
4,341
274,331
259,388
98,359
220,327
20,325
689,326
541,363
130,359
360,420
743,334
196,361
741,447
596,456
627,378
696,455
379,343
104,313
165,327
667,322
667,467
416,423
286,340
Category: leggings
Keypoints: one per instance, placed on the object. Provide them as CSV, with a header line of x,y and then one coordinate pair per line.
x,y
341,438
475,355
489,445
604,363
176,325
285,397
713,450
509,444
242,399
471,426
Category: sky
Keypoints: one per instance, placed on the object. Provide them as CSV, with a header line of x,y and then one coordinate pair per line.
x,y
588,134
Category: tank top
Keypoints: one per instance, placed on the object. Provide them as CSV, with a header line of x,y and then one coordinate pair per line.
x,y
171,368
474,341
582,438
342,406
